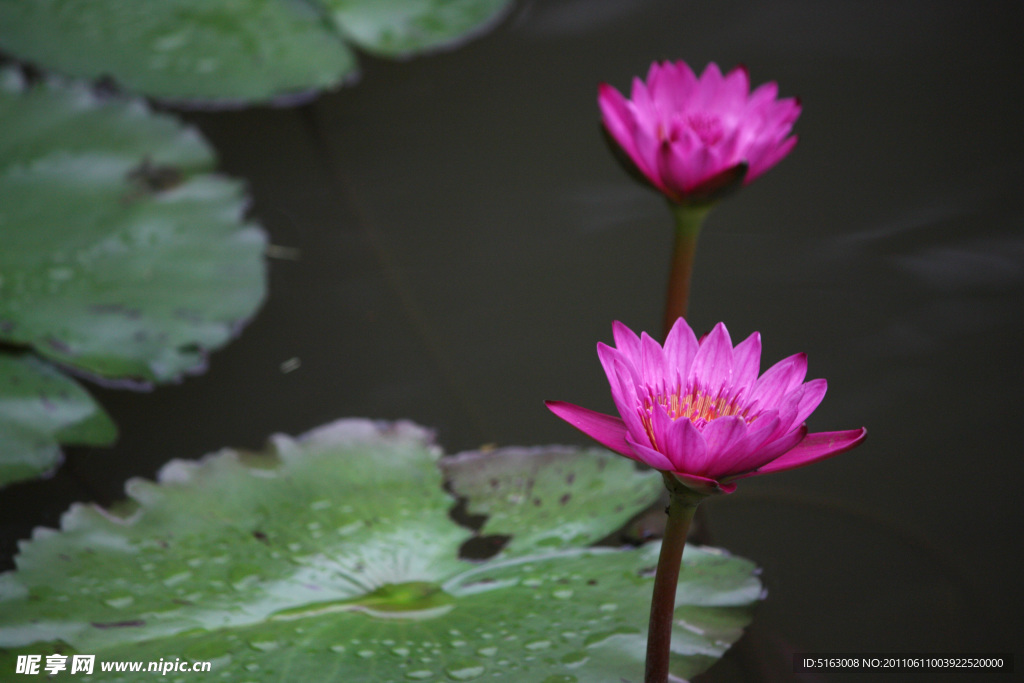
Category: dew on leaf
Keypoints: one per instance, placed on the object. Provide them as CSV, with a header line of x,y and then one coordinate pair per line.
x,y
465,670
264,645
574,659
120,602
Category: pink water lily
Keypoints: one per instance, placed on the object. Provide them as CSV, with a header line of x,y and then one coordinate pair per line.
x,y
698,410
692,136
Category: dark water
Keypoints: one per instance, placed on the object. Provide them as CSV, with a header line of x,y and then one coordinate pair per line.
x,y
463,239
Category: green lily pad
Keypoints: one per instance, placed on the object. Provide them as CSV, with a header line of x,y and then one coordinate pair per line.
x,y
525,494
334,557
120,254
401,28
229,51
121,257
40,407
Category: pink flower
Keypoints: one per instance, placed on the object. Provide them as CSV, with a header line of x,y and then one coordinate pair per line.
x,y
692,136
698,410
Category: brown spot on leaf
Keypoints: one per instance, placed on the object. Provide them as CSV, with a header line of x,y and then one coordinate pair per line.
x,y
119,624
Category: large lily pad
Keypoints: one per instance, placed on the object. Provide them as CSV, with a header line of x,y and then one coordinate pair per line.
x,y
40,407
229,51
121,256
334,557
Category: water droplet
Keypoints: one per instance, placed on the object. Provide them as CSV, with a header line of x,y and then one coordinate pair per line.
x,y
532,583
574,659
563,594
604,635
171,41
538,645
608,607
366,654
264,645
349,528
457,643
337,648
560,678
465,670
691,628
487,651
419,674
400,651
175,579
120,602
320,504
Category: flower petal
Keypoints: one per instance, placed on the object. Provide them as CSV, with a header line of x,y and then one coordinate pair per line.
x,y
815,447
768,159
626,341
684,445
813,393
703,485
652,364
680,350
779,380
620,122
712,367
623,381
607,430
746,358
725,438
648,455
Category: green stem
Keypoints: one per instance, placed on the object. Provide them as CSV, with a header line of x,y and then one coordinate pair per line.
x,y
682,505
689,220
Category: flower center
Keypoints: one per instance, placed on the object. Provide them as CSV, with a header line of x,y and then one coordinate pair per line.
x,y
707,127
696,405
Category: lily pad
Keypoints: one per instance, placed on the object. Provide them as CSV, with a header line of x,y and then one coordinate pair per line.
x,y
402,28
40,408
120,254
229,51
334,557
525,492
121,257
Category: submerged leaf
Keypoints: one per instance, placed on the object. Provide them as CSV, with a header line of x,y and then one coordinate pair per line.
x,y
333,557
229,52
